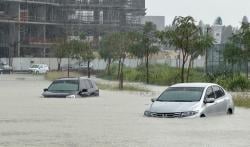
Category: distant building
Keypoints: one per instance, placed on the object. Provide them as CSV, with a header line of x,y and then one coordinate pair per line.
x,y
159,21
28,28
221,34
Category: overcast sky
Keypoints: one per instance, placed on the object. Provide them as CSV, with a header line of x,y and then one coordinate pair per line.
x,y
231,11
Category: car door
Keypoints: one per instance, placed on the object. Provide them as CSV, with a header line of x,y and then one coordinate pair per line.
x,y
221,104
87,85
92,88
210,108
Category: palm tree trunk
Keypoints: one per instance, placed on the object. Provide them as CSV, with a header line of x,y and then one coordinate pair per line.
x,y
147,66
68,66
108,66
121,75
119,69
183,69
88,69
247,69
59,60
189,68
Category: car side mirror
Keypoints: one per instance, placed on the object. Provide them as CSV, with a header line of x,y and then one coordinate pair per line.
x,y
153,100
46,89
209,100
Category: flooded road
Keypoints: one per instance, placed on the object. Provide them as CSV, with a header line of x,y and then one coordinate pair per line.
x,y
115,119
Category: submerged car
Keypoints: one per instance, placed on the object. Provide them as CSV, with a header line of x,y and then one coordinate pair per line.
x,y
189,100
39,68
71,88
5,68
77,66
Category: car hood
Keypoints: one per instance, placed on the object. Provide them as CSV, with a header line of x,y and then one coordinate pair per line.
x,y
58,94
170,107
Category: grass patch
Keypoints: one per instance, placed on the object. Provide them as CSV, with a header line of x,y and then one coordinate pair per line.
x,y
53,75
160,74
242,101
126,87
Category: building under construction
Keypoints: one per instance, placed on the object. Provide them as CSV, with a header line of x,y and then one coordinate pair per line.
x,y
29,28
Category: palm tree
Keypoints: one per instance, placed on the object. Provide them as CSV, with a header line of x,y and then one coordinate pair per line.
x,y
185,36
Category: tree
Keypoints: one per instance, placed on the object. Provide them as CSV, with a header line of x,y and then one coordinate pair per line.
x,y
185,36
145,44
60,52
87,53
232,54
108,48
238,47
149,44
82,50
200,45
117,46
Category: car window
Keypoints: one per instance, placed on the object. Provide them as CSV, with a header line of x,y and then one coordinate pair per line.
x,y
182,94
35,66
218,91
64,85
210,93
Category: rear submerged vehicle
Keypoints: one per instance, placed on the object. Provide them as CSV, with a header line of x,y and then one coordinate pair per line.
x,y
189,100
5,68
71,88
39,68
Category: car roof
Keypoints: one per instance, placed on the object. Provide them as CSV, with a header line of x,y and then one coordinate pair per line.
x,y
39,64
72,78
193,85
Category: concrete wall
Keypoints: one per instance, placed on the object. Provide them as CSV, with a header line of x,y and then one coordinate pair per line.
x,y
98,64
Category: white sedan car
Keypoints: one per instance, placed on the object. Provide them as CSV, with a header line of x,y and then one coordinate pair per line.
x,y
189,100
39,68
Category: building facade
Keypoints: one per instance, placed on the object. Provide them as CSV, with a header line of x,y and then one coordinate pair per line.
x,y
29,28
159,21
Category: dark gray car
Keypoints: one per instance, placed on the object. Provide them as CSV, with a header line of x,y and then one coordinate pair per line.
x,y
71,88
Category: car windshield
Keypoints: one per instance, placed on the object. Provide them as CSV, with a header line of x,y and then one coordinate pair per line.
x,y
64,85
34,66
181,94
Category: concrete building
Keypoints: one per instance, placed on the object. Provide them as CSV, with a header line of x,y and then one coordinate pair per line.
x,y
159,21
28,28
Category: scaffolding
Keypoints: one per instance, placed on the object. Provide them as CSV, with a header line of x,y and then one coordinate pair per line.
x,y
28,28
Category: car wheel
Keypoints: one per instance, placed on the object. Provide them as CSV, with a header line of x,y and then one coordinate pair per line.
x,y
202,116
229,111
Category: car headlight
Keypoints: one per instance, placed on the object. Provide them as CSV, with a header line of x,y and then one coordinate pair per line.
x,y
71,96
147,113
189,113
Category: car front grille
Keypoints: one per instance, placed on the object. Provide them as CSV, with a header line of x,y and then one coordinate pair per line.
x,y
166,115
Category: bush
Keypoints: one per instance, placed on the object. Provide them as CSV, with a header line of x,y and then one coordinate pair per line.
x,y
242,100
233,82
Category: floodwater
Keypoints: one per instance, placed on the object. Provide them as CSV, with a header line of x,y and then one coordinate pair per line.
x,y
115,119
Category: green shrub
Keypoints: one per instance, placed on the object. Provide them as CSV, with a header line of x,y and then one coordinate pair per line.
x,y
233,82
242,100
